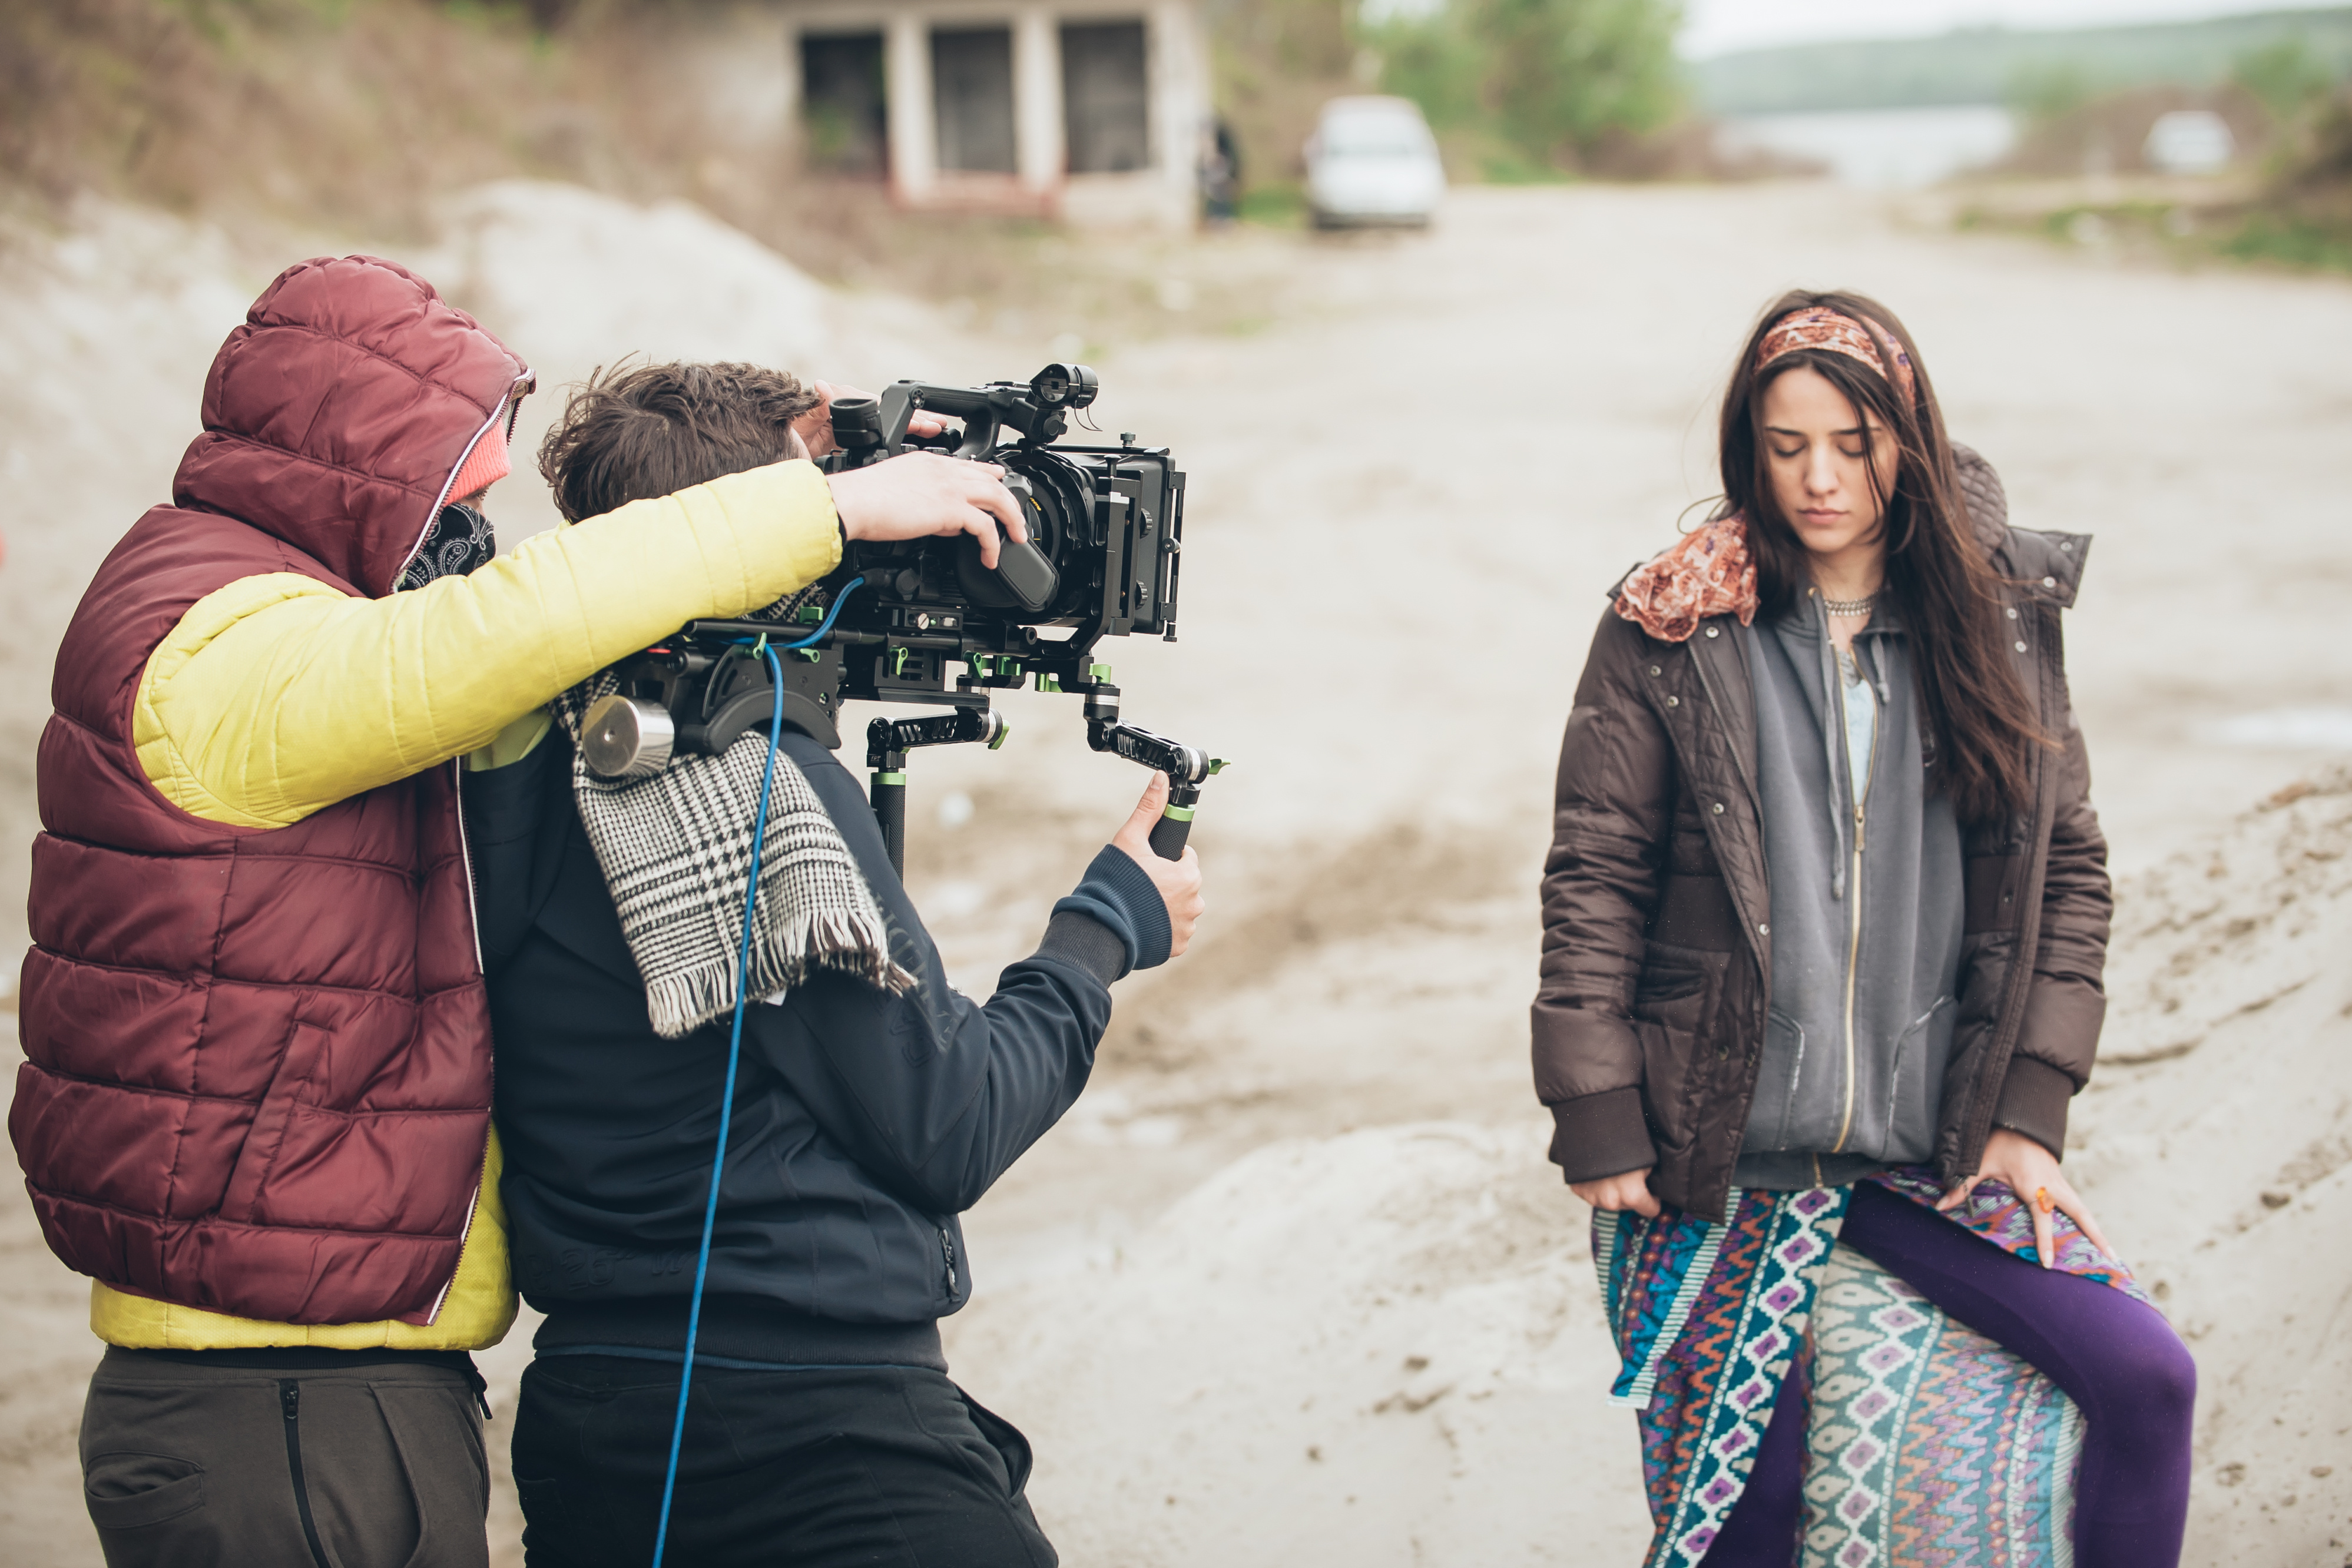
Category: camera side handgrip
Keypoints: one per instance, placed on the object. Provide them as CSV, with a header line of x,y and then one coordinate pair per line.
x,y
1175,823
1186,765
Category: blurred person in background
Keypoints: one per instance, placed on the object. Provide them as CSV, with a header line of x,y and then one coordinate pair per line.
x,y
1824,921
255,1107
1221,171
873,1104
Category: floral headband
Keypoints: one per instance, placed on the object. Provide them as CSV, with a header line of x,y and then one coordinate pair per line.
x,y
1818,326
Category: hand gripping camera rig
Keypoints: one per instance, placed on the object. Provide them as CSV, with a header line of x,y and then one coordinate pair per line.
x,y
893,622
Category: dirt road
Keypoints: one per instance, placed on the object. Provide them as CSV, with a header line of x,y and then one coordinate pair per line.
x,y
1412,481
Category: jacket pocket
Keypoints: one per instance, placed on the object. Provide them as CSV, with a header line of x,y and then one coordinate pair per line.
x,y
1774,1103
131,1491
295,1084
1012,1447
1674,1011
1915,1087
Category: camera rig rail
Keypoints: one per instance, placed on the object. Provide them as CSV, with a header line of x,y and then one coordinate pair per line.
x,y
924,621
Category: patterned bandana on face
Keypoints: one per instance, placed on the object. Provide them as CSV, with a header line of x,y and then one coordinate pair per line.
x,y
1818,326
460,540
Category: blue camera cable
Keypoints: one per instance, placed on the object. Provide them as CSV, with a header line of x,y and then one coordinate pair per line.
x,y
826,625
735,1041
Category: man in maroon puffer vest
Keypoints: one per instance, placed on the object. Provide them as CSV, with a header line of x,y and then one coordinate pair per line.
x,y
255,1107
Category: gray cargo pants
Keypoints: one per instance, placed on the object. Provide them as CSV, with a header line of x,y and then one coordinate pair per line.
x,y
308,1459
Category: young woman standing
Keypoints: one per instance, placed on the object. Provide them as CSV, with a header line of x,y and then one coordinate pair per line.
x,y
1825,915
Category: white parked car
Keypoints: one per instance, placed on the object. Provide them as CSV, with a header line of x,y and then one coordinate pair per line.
x,y
2190,142
1372,160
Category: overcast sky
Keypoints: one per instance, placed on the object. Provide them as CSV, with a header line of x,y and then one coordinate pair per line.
x,y
1716,26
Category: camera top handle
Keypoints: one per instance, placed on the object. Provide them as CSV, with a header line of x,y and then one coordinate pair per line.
x,y
868,431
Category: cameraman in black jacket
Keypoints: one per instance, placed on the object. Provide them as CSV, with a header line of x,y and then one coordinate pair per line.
x,y
822,1426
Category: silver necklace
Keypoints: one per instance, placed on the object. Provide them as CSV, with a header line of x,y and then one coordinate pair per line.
x,y
1849,609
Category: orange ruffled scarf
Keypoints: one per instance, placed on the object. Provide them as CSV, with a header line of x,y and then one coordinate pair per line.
x,y
1708,573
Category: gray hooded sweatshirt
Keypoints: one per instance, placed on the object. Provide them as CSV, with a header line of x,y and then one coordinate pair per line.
x,y
1865,867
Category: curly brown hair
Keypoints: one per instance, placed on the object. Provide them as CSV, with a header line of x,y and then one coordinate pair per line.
x,y
631,433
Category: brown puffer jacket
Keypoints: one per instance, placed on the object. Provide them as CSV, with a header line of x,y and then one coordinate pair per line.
x,y
1649,1020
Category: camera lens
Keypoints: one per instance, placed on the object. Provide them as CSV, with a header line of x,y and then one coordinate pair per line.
x,y
1057,506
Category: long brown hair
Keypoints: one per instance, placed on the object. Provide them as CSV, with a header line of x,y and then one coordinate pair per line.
x,y
1981,727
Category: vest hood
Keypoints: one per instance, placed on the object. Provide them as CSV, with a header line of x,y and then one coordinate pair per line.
x,y
337,415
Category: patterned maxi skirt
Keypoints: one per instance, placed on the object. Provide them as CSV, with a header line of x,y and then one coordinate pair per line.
x,y
1919,1428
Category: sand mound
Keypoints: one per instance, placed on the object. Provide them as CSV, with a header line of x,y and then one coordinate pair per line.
x,y
2214,1142
1350,1350
575,279
1386,1347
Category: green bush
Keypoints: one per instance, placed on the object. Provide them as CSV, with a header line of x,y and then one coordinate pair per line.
x,y
2291,241
2045,90
2287,76
1550,79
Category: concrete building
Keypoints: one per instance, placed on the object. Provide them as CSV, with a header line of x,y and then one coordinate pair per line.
x,y
1090,110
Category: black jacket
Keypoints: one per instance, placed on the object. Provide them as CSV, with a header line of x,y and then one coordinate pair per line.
x,y
863,1122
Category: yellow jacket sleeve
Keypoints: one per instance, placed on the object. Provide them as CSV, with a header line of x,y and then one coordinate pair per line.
x,y
277,697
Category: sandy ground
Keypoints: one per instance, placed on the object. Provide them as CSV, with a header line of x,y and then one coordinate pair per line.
x,y
1293,1284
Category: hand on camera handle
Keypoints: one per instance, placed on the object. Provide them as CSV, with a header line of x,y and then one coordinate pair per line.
x,y
1179,881
918,493
1628,1189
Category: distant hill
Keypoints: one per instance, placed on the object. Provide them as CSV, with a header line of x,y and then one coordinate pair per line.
x,y
1987,65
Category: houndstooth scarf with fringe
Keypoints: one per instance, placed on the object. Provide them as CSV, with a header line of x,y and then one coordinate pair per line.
x,y
676,850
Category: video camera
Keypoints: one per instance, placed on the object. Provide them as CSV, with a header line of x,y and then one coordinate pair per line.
x,y
899,622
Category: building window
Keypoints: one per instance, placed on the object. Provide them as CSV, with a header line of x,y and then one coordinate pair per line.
x,y
971,85
846,129
1105,98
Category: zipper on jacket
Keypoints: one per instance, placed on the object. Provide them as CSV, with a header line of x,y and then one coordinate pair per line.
x,y
1854,890
481,969
289,1401
946,1252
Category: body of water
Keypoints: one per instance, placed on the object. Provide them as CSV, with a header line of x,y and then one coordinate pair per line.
x,y
1883,149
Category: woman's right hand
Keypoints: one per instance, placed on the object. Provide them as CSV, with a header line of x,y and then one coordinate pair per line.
x,y
1630,1189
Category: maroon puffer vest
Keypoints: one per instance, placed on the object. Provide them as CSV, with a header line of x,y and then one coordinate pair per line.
x,y
258,1073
